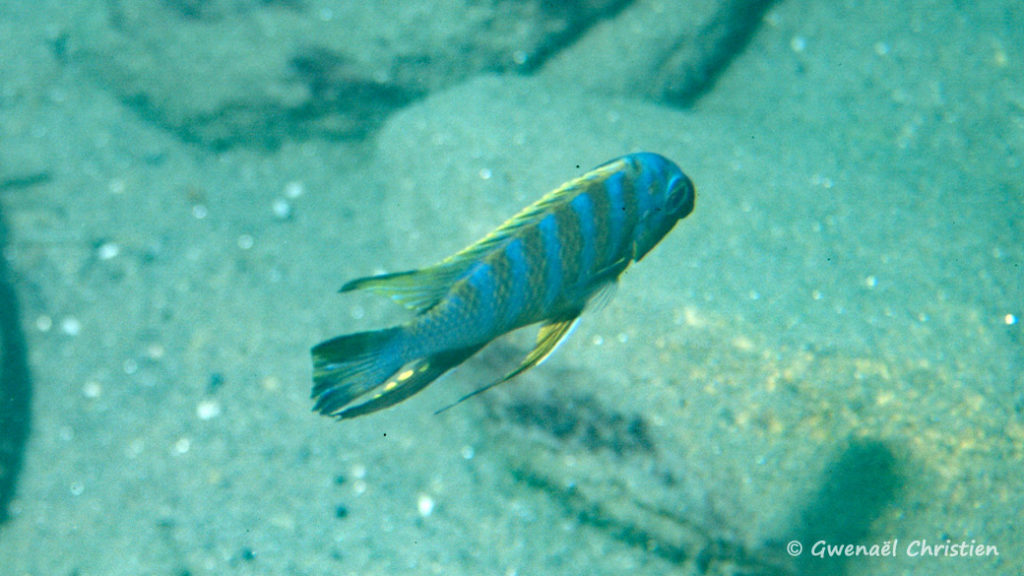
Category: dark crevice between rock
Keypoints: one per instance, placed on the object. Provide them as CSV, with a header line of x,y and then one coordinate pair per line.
x,y
575,28
689,69
216,9
15,387
336,90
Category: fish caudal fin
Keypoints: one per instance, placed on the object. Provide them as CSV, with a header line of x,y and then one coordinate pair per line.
x,y
347,367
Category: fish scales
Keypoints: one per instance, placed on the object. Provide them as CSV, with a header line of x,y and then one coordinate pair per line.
x,y
542,266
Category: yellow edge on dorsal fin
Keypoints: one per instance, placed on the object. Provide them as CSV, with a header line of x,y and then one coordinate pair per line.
x,y
421,289
531,214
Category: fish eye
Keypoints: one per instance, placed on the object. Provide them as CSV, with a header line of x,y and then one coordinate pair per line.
x,y
680,195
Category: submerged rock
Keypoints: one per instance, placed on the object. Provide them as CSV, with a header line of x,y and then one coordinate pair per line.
x,y
227,72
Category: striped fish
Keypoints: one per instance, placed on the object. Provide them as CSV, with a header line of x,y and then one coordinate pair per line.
x,y
542,266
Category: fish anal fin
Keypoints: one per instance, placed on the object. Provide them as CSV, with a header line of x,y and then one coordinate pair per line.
x,y
551,334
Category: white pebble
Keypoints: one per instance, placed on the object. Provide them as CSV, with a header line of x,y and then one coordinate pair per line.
x,y
425,505
108,250
44,323
183,445
208,409
294,189
92,389
70,326
282,209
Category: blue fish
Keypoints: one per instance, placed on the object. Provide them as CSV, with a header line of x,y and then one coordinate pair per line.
x,y
542,266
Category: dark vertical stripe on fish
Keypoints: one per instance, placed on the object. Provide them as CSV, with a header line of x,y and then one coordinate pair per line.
x,y
645,200
570,234
613,187
585,216
600,211
518,271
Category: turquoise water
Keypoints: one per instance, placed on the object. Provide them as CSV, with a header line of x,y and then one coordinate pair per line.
x,y
828,350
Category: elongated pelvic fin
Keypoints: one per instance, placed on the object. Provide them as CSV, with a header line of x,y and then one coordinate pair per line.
x,y
550,336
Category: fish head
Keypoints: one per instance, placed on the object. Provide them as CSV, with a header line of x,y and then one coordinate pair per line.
x,y
666,196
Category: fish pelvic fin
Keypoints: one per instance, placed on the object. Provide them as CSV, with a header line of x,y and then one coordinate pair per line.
x,y
549,337
348,367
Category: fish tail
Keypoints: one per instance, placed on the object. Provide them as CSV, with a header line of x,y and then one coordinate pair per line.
x,y
346,367
349,366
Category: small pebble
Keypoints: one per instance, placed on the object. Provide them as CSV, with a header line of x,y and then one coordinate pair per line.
x,y
208,409
425,505
183,445
70,326
44,323
92,389
108,250
282,209
294,189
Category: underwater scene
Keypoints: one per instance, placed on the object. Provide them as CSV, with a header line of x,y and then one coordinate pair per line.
x,y
511,287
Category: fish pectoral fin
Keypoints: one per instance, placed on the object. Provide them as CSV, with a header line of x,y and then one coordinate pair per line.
x,y
418,290
602,296
551,334
611,272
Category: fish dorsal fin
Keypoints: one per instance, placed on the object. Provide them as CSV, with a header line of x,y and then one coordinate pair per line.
x,y
531,214
418,290
551,334
421,289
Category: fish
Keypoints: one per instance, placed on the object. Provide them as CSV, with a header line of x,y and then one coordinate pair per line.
x,y
544,265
